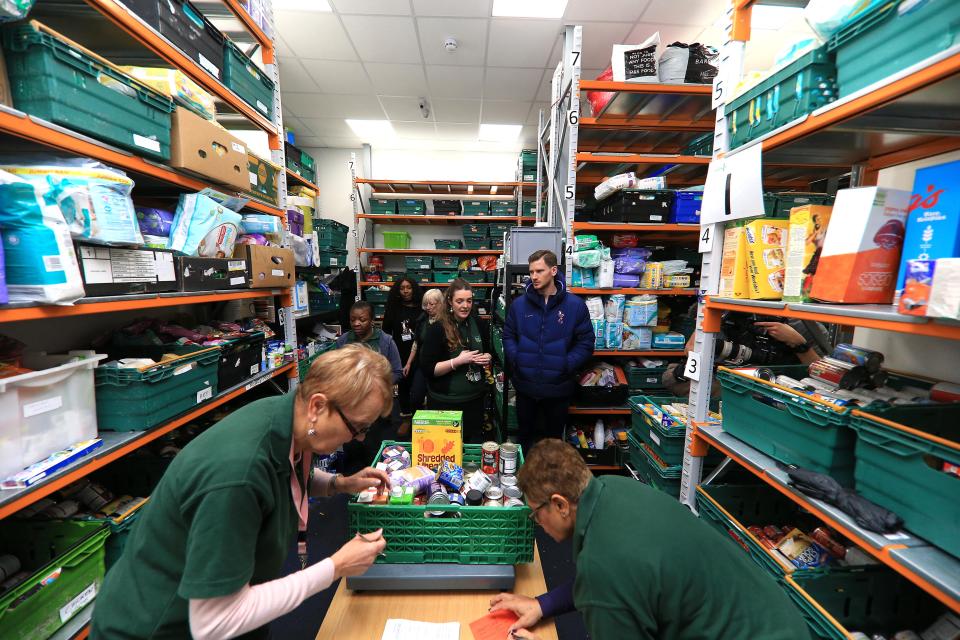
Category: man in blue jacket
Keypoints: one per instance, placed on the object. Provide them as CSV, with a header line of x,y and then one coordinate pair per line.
x,y
547,338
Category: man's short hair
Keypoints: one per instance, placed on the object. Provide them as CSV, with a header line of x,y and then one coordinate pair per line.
x,y
543,254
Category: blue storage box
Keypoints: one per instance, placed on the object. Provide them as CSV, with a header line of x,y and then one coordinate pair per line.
x,y
686,207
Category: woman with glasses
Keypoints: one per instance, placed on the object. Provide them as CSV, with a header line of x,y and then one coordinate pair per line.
x,y
646,566
205,557
455,357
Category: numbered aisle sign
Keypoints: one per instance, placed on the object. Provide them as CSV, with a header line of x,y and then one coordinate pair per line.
x,y
707,232
692,370
734,187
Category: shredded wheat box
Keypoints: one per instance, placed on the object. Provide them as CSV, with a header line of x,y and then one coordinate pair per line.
x,y
437,436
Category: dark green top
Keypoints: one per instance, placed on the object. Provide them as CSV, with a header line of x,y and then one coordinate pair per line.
x,y
454,386
647,568
221,517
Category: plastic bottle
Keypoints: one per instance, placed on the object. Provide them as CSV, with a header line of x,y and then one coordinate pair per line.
x,y
598,434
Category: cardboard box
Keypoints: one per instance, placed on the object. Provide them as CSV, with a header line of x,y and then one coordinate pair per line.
x,y
437,436
861,253
933,224
110,271
268,267
734,279
211,274
262,179
806,233
767,255
204,148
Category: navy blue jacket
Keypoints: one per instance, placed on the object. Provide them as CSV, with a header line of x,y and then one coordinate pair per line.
x,y
547,343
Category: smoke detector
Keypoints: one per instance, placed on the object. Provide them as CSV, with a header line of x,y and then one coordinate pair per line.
x,y
450,44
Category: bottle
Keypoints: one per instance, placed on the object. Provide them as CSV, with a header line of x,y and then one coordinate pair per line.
x,y
598,434
622,441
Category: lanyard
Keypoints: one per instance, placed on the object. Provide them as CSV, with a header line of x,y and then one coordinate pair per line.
x,y
299,474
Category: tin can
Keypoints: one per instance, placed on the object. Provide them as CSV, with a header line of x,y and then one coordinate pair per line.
x,y
508,459
828,542
438,498
878,379
832,372
513,502
490,457
470,468
492,503
479,481
512,492
871,360
458,499
508,481
493,493
474,498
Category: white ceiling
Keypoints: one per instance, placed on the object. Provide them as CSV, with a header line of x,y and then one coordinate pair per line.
x,y
374,59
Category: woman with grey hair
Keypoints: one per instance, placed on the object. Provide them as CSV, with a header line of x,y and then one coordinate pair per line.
x,y
432,300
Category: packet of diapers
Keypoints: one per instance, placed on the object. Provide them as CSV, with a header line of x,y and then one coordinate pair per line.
x,y
203,228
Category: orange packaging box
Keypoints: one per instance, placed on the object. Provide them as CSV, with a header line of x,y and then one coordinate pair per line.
x,y
808,228
734,279
861,252
766,249
437,437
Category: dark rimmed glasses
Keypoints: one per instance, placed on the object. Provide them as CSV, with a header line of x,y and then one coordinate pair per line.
x,y
354,430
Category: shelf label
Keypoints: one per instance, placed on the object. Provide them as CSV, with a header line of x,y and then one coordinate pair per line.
x,y
257,382
707,233
654,437
235,281
42,406
734,187
692,370
209,66
254,369
86,597
146,143
204,394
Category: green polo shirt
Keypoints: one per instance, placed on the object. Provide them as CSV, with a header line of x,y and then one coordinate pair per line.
x,y
648,568
221,517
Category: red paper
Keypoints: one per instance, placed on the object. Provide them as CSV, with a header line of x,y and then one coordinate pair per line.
x,y
493,626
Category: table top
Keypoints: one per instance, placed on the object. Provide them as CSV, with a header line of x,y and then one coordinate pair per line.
x,y
362,615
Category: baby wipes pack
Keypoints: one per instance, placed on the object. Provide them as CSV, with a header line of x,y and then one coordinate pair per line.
x,y
203,228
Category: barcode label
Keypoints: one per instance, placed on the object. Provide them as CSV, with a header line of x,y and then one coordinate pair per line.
x,y
239,148
146,143
42,406
277,272
204,394
236,265
253,178
53,263
235,281
86,597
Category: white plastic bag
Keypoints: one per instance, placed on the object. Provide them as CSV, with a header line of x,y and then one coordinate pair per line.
x,y
627,180
673,64
613,309
605,274
636,62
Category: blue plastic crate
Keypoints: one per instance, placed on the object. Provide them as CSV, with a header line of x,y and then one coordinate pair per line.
x,y
686,207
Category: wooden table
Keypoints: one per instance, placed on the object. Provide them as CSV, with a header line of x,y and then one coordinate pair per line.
x,y
362,615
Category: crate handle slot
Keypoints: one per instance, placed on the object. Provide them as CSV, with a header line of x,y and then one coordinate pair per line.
x,y
893,445
450,515
192,16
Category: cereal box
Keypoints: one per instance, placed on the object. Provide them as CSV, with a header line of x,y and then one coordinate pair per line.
x,y
808,228
861,253
437,436
734,281
766,254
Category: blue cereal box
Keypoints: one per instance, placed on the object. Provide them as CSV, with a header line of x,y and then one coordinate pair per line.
x,y
933,223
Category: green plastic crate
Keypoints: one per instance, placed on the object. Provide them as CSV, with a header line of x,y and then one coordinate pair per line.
x,y
769,204
496,244
668,443
421,276
411,207
328,239
788,200
883,42
646,378
137,399
867,599
247,80
804,85
473,277
119,533
446,262
529,209
892,470
379,310
528,158
417,263
322,302
376,295
332,258
61,83
476,230
300,162
503,208
326,224
497,229
476,207
66,561
512,426
700,146
475,244
396,240
490,276
443,276
496,338
392,276
475,535
444,244
304,365
383,207
662,477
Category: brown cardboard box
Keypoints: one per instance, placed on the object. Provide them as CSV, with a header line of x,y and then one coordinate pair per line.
x,y
269,266
200,146
6,98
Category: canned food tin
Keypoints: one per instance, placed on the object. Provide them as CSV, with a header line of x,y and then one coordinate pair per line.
x,y
479,481
853,354
474,498
438,498
508,481
513,502
456,498
512,492
830,372
490,457
508,459
493,493
492,503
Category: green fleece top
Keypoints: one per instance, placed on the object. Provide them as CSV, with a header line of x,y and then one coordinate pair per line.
x,y
647,568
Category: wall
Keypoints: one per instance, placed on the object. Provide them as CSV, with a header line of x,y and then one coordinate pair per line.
x,y
913,354
333,178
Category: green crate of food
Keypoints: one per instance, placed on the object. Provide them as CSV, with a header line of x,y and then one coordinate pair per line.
x,y
528,158
497,229
472,277
305,364
379,206
300,162
446,244
529,209
663,477
443,276
422,276
702,145
648,378
801,87
667,442
894,447
463,535
119,533
496,244
63,83
885,41
476,230
379,310
329,239
446,262
136,399
332,258
476,207
396,240
242,76
417,263
789,200
508,208
320,301
376,295
411,207
392,276
872,599
475,244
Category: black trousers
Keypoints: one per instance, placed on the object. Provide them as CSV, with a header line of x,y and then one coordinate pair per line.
x,y
473,415
540,418
418,390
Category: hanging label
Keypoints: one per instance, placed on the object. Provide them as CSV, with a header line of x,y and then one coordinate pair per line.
x,y
254,369
707,233
42,406
734,187
204,394
86,596
692,370
235,281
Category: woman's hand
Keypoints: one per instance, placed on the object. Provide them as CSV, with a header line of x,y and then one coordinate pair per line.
x,y
482,359
364,479
782,332
464,358
523,634
355,557
406,370
527,610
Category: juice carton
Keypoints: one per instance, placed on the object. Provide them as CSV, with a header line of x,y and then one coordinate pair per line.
x,y
933,224
734,282
808,228
437,436
766,253
861,253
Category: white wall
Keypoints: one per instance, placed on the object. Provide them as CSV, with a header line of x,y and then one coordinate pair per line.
x,y
333,179
921,355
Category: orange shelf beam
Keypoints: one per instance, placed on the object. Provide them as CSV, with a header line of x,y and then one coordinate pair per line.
x,y
691,229
639,87
18,314
401,219
612,353
633,292
452,183
296,177
102,461
416,252
266,44
599,411
634,158
613,122
428,284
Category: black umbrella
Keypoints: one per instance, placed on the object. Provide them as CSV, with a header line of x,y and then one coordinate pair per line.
x,y
823,487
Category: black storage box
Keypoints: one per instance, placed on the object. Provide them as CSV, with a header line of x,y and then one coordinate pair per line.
x,y
609,457
211,274
189,30
240,360
636,205
447,207
615,396
113,271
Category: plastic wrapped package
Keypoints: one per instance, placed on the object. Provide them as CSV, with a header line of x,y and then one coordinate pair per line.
x,y
624,240
652,277
636,62
201,227
674,267
253,238
486,263
626,281
585,242
11,10
584,277
590,259
613,308
260,223
93,198
302,255
594,307
605,274
631,261
600,99
176,85
4,297
599,333
154,226
689,63
41,265
640,311
637,338
613,335
626,181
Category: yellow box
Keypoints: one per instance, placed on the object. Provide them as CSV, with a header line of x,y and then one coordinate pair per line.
x,y
767,256
808,228
178,86
437,436
733,265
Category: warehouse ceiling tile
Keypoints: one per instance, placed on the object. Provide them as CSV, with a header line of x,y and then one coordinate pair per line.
x,y
338,77
471,37
372,7
314,35
343,143
457,131
613,10
686,12
300,104
383,38
293,77
309,142
327,127
598,40
504,112
455,8
296,125
335,106
403,109
516,84
397,79
522,43
415,130
455,82
456,111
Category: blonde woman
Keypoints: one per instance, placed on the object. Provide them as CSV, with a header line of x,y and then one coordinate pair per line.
x,y
432,302
205,557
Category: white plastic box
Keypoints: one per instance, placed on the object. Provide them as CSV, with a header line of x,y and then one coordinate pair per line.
x,y
47,410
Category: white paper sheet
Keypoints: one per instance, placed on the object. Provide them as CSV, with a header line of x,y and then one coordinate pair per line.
x,y
397,629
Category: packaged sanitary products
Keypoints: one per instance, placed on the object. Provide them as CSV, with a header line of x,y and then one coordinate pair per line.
x,y
595,307
155,226
584,277
637,338
599,333
586,242
630,261
614,335
623,281
589,259
641,311
203,228
613,309
605,274
41,266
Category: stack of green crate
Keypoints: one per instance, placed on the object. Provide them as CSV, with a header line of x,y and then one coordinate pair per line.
x,y
421,276
476,208
447,245
476,244
472,276
418,263
529,209
300,162
381,206
332,258
374,295
504,208
443,276
476,230
446,262
330,234
700,146
528,165
411,207
787,200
